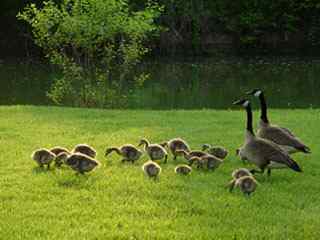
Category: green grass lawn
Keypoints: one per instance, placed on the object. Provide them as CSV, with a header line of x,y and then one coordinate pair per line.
x,y
118,202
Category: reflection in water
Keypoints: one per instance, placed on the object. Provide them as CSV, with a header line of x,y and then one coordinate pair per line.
x,y
204,83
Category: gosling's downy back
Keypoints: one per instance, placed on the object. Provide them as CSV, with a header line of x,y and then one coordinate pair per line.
x,y
151,169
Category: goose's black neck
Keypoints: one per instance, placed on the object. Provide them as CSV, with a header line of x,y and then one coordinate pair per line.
x,y
263,105
249,119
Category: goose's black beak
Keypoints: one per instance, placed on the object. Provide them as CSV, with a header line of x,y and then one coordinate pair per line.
x,y
253,91
250,92
238,102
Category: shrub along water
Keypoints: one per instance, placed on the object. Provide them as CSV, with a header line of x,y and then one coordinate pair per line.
x,y
96,43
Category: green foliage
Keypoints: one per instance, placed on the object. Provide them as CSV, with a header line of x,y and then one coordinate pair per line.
x,y
247,21
96,43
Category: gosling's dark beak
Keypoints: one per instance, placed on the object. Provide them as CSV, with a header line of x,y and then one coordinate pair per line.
x,y
205,146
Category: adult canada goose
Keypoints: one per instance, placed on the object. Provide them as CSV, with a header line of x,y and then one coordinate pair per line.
x,y
151,169
128,152
81,163
43,157
155,151
85,149
217,151
247,184
183,169
189,156
279,135
176,144
260,151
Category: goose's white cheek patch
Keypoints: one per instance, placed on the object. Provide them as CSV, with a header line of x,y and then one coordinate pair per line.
x,y
245,104
257,94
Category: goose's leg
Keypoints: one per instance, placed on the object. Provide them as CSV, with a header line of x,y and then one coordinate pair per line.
x,y
269,172
165,158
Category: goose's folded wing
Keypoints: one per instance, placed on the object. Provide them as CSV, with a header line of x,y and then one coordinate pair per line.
x,y
273,153
287,131
282,137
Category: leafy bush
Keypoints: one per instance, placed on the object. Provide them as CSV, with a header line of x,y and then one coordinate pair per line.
x,y
96,43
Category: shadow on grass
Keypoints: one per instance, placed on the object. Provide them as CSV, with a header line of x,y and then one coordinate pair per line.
x,y
40,170
77,181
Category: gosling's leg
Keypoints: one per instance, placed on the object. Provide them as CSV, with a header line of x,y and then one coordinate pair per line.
x,y
175,157
253,171
231,185
190,162
124,160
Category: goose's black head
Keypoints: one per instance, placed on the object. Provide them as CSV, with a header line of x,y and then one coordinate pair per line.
x,y
255,92
242,102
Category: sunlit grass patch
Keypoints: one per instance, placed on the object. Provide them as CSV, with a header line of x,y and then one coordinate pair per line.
x,y
117,201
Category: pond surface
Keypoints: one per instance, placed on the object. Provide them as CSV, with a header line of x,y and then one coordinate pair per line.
x,y
188,83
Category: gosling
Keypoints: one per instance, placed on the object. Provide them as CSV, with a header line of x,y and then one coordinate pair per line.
x,y
210,162
189,156
61,159
57,150
246,184
43,157
217,151
61,154
85,149
151,169
81,163
183,169
176,144
207,161
155,151
240,172
128,152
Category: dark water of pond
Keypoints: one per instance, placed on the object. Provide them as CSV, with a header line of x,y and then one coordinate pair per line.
x,y
188,83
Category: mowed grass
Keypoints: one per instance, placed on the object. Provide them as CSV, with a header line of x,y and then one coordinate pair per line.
x,y
118,202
